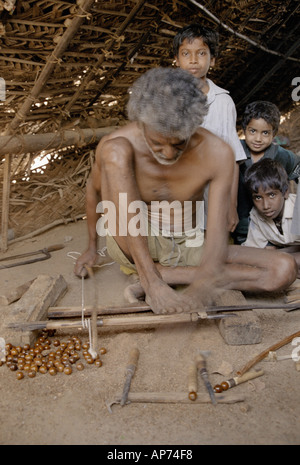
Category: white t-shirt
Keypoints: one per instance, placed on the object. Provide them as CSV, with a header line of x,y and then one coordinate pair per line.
x,y
262,231
221,118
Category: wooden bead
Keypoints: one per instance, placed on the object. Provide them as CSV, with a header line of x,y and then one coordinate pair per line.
x,y
32,374
43,369
60,368
225,385
52,371
98,363
8,347
192,395
19,375
218,388
80,366
102,351
67,370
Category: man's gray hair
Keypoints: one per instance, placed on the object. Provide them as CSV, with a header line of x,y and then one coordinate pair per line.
x,y
169,101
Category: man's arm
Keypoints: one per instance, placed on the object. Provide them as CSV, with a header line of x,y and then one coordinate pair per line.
x,y
219,201
93,189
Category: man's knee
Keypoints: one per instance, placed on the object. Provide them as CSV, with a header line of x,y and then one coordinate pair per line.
x,y
284,271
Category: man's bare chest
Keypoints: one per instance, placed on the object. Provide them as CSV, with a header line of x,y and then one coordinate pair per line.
x,y
169,183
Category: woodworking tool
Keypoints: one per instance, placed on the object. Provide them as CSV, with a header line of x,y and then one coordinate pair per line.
x,y
193,381
174,398
229,383
44,252
201,366
62,312
130,370
152,319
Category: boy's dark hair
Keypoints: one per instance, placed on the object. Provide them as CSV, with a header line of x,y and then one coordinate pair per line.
x,y
197,31
266,174
262,109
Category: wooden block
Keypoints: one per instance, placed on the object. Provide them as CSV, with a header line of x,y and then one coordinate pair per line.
x,y
33,305
243,329
9,297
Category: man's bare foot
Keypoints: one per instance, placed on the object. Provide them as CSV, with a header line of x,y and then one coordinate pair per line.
x,y
134,292
163,299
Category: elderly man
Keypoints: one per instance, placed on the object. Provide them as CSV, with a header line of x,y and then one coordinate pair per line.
x,y
163,155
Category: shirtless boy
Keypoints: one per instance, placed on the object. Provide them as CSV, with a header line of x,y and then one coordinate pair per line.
x,y
164,154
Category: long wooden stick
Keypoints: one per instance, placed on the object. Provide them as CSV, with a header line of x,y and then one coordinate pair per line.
x,y
75,311
180,397
264,354
108,322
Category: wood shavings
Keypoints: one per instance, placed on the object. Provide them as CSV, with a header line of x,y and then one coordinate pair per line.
x,y
256,385
225,369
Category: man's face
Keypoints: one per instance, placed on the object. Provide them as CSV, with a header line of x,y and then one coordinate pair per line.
x,y
165,150
258,135
269,203
195,58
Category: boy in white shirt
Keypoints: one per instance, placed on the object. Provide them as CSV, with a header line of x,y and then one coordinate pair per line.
x,y
272,215
195,48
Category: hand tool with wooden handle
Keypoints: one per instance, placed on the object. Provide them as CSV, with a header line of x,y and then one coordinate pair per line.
x,y
44,252
201,365
174,398
148,320
130,370
229,383
193,381
65,312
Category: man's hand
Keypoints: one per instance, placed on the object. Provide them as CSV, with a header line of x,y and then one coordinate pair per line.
x,y
89,258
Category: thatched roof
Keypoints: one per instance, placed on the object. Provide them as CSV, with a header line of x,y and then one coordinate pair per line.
x,y
69,64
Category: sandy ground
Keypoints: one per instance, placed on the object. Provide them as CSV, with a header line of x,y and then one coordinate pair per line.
x,y
71,410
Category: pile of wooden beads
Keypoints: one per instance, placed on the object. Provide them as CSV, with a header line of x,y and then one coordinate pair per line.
x,y
50,356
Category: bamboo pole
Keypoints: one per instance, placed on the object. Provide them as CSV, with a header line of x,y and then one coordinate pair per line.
x,y
83,9
52,140
264,354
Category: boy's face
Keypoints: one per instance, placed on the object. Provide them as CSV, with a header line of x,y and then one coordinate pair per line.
x,y
195,58
258,135
269,203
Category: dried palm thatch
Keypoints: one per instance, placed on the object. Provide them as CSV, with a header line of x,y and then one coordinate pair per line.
x,y
69,64
51,194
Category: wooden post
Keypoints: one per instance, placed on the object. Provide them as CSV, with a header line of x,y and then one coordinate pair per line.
x,y
46,141
5,202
